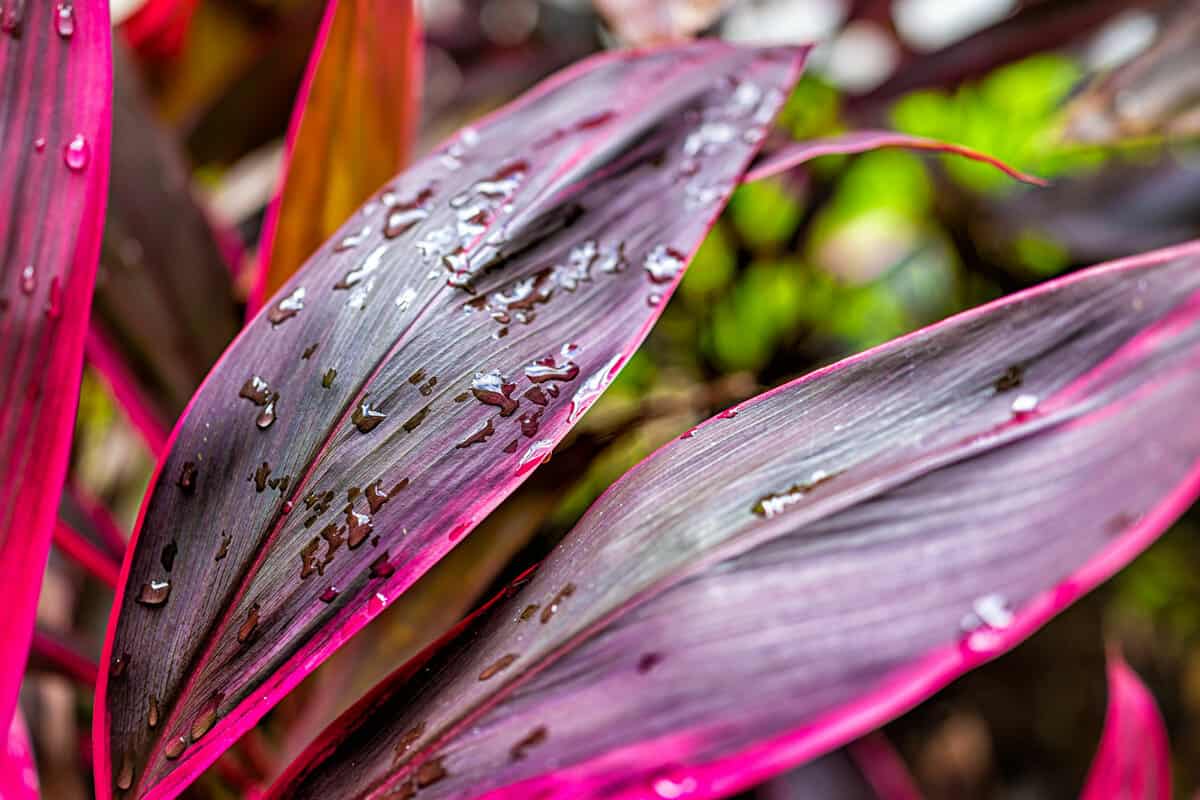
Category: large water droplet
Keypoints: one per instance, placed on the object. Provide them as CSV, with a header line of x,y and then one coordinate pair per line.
x,y
256,390
154,593
64,19
663,264
287,308
365,418
77,153
492,388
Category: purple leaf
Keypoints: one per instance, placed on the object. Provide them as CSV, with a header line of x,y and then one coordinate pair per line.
x,y
796,153
867,769
410,376
18,773
54,135
805,566
1134,759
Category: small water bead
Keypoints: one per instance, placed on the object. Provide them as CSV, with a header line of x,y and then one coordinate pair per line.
x,y
382,567
39,144
532,739
266,417
654,299
1024,404
353,240
478,437
989,611
260,476
223,550
327,378
256,390
552,607
308,351
663,264
511,447
125,774
154,593
358,529
28,279
287,308
673,787
64,20
497,666
366,418
369,265
11,17
546,369
329,595
187,477
405,299
536,396
175,747
430,773
77,153
402,218
205,718
774,504
152,713
1011,379
591,389
708,138
250,626
493,389
54,300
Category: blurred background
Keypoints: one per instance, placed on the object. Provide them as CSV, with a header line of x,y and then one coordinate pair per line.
x,y
1102,97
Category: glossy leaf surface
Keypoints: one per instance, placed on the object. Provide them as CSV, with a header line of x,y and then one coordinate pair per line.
x,y
803,567
353,128
1134,759
55,86
407,379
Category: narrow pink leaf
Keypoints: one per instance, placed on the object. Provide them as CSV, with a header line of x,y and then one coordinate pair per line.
x,y
796,153
53,653
804,567
86,554
1134,759
84,512
18,772
409,377
54,136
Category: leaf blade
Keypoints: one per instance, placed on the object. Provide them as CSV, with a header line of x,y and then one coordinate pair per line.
x,y
54,119
890,564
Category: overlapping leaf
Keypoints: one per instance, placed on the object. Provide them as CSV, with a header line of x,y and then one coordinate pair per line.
x,y
18,773
803,567
410,376
1134,759
55,87
353,127
868,769
164,300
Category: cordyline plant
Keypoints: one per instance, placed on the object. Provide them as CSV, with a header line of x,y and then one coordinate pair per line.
x,y
775,584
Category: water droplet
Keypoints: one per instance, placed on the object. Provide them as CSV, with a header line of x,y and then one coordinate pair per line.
x,y
205,718
260,476
772,505
154,593
167,556
405,299
653,299
54,300
430,773
990,611
308,351
223,550
1024,404
11,17
674,786
381,567
663,264
531,740
530,423
266,417
511,447
28,279
327,378
497,666
256,390
377,497
409,738
125,773
119,665
369,265
478,437
492,388
175,747
330,594
546,369
728,413
77,153
591,389
413,422
1011,379
249,626
365,418
648,661
39,144
287,308
352,241
708,138
552,607
402,218
152,713
64,20
358,528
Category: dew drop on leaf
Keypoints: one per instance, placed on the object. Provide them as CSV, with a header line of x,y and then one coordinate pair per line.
x,y
365,417
175,747
64,19
28,279
205,718
77,153
256,390
287,308
499,665
663,264
54,301
39,144
154,593
531,740
492,389
546,369
1024,404
125,773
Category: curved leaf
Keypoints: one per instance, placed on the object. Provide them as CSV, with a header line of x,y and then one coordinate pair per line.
x,y
353,127
803,567
55,71
416,370
18,773
1134,759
